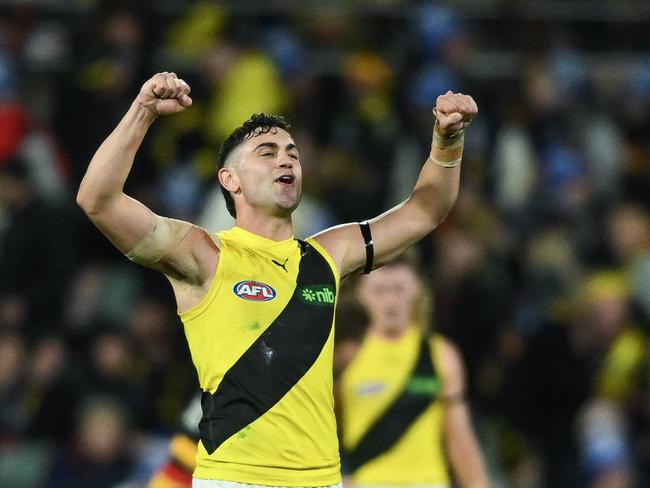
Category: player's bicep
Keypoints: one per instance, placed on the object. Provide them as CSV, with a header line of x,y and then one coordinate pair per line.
x,y
183,251
340,243
162,244
385,237
124,221
394,231
146,238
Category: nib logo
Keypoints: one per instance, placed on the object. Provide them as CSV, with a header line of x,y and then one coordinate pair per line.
x,y
308,295
317,295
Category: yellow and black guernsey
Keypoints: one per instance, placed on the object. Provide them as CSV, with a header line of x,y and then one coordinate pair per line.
x,y
392,412
262,342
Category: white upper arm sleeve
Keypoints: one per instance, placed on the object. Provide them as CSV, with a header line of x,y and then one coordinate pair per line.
x,y
165,234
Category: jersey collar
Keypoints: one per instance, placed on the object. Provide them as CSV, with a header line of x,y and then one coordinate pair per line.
x,y
258,242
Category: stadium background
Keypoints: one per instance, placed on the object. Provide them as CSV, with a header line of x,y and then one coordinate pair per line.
x,y
541,272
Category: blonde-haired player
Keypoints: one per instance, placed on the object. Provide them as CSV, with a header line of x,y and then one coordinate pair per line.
x,y
402,396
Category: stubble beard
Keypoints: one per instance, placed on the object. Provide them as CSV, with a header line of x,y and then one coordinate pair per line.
x,y
286,204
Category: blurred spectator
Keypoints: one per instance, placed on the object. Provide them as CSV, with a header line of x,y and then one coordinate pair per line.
x,y
598,351
603,147
12,371
250,84
113,372
34,278
629,235
605,449
515,161
471,269
177,471
100,293
13,115
51,390
162,367
108,67
99,454
192,34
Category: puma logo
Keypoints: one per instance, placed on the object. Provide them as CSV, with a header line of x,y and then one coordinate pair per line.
x,y
281,265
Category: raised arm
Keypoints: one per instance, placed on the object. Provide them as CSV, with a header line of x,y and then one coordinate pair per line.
x,y
165,244
461,445
433,196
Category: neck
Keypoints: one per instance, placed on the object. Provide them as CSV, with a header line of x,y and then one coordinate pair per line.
x,y
388,332
274,228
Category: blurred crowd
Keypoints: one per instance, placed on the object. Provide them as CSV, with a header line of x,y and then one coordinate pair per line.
x,y
541,273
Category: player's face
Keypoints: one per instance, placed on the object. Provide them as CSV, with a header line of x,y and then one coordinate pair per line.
x,y
390,293
269,173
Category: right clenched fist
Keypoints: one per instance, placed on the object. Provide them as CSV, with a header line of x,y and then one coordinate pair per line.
x,y
164,94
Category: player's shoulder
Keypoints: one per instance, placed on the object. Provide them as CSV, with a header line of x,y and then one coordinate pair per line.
x,y
201,240
336,241
448,360
444,347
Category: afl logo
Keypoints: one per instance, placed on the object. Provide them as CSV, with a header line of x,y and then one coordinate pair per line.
x,y
254,291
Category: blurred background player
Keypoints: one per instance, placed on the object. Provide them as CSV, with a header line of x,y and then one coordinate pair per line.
x,y
402,395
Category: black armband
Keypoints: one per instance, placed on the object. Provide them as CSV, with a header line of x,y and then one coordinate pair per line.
x,y
367,239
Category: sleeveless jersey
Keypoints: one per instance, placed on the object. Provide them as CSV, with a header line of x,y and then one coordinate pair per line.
x,y
262,343
392,418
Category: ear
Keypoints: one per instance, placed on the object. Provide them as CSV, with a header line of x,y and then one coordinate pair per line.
x,y
229,179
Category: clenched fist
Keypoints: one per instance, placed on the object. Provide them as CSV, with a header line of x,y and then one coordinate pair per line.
x,y
164,94
454,112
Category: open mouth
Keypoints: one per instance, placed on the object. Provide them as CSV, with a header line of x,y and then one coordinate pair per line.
x,y
286,179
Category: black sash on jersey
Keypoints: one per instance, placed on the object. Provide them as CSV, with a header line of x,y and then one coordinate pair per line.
x,y
275,362
405,409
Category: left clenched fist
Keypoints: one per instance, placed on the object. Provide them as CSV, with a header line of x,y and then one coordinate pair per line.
x,y
454,112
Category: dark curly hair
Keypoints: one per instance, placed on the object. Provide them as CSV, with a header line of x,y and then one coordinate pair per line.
x,y
256,125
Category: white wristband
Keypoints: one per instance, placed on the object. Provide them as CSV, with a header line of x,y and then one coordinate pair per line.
x,y
445,164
